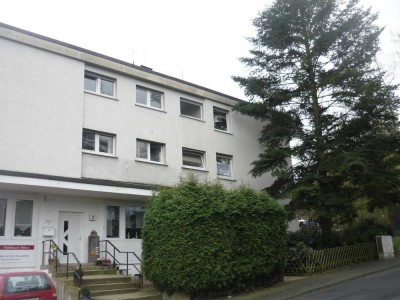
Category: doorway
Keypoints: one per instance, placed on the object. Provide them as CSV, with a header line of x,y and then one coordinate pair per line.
x,y
70,235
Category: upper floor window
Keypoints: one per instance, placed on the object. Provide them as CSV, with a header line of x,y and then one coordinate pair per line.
x,y
150,151
193,158
99,84
221,119
3,208
23,218
149,98
97,142
191,109
224,165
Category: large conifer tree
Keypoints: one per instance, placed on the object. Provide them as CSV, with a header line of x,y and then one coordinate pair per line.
x,y
314,81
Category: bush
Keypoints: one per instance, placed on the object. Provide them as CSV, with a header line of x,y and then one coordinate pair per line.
x,y
85,291
365,231
201,238
312,239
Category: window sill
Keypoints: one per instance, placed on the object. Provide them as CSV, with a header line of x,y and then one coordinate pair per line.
x,y
150,107
192,118
222,131
101,95
99,154
194,168
151,162
226,178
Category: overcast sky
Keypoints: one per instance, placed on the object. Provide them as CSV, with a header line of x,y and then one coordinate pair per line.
x,y
197,41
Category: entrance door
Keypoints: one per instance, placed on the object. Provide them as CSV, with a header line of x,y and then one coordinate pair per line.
x,y
70,235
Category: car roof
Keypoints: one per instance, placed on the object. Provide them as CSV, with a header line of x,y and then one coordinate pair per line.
x,y
23,273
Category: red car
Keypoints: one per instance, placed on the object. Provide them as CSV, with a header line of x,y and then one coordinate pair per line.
x,y
27,286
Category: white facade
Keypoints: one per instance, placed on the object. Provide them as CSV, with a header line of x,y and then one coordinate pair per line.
x,y
50,185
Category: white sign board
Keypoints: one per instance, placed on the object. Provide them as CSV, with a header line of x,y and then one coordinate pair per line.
x,y
16,254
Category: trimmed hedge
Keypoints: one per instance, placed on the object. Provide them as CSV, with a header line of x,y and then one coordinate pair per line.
x,y
199,238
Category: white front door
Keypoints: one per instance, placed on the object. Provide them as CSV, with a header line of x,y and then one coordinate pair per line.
x,y
70,235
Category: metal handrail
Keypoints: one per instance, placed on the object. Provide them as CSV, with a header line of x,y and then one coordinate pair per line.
x,y
117,262
54,247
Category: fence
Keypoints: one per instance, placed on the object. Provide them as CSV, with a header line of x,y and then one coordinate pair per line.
x,y
310,261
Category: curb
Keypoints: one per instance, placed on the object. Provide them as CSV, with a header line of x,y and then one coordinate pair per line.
x,y
288,290
341,281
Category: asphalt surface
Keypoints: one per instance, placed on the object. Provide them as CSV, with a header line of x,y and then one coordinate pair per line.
x,y
293,289
383,285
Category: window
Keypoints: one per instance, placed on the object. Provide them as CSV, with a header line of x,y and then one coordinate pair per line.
x,y
23,218
98,142
150,151
192,158
112,221
220,120
3,208
133,222
191,109
224,165
149,98
99,85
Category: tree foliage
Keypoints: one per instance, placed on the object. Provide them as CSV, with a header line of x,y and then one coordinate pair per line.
x,y
314,81
200,238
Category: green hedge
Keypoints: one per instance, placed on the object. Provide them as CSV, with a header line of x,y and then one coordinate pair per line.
x,y
199,238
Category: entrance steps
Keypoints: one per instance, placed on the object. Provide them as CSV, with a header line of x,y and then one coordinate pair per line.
x,y
104,284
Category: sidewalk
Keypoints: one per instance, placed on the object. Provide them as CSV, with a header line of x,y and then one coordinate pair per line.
x,y
292,287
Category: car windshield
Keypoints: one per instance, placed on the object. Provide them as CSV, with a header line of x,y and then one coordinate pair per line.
x,y
23,283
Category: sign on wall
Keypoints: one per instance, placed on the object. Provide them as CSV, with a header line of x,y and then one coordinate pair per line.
x,y
16,254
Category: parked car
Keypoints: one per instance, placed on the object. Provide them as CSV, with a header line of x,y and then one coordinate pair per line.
x,y
27,285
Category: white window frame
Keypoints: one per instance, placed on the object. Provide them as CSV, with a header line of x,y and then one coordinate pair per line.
x,y
148,158
6,215
11,206
222,111
148,98
139,210
200,105
97,135
119,221
202,155
230,158
98,79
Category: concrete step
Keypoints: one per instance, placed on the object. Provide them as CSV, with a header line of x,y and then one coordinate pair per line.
x,y
106,279
113,292
108,286
144,294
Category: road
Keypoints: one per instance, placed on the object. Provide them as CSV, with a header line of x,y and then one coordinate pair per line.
x,y
380,286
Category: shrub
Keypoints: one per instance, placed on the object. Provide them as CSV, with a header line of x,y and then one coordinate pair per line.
x,y
85,291
78,273
365,231
201,238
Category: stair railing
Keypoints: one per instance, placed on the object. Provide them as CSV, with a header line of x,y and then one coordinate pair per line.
x,y
53,252
109,249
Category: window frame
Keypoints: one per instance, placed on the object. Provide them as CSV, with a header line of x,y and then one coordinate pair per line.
x,y
5,216
11,213
118,219
230,158
98,78
97,135
16,211
139,210
148,152
227,119
200,105
193,151
148,98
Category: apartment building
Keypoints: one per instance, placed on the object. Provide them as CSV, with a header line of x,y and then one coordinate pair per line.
x,y
84,138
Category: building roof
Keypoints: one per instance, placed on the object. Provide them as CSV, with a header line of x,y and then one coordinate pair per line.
x,y
103,61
